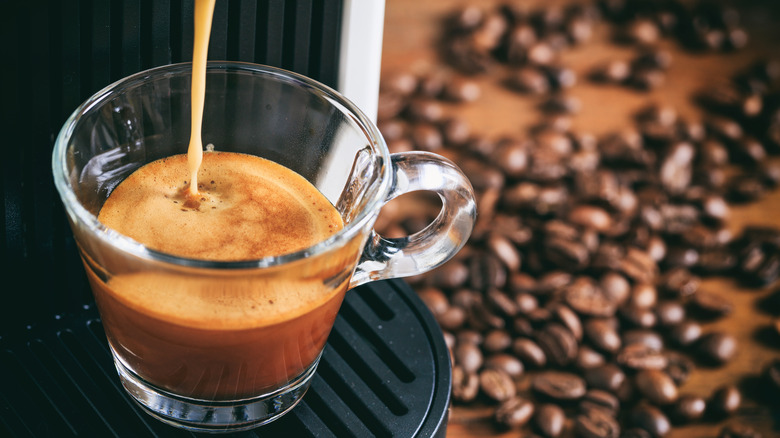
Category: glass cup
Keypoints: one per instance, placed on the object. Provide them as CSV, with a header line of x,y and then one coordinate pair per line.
x,y
184,346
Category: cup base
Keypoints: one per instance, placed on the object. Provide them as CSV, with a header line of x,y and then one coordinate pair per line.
x,y
214,416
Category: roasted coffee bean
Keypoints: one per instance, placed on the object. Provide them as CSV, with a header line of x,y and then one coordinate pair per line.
x,y
505,251
588,358
685,333
670,313
525,302
678,367
469,337
717,347
615,71
568,318
643,295
596,423
725,400
434,299
688,408
738,430
656,386
638,316
562,104
529,352
468,356
602,335
608,377
465,385
615,287
559,385
648,338
452,318
501,303
460,89
529,80
599,399
642,31
497,341
558,343
651,419
496,384
451,275
506,363
514,412
481,318
586,297
680,282
456,132
549,419
512,158
639,356
426,137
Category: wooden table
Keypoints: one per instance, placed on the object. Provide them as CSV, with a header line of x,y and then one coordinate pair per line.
x,y
411,29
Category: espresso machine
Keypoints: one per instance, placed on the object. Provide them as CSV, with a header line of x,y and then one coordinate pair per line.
x,y
385,371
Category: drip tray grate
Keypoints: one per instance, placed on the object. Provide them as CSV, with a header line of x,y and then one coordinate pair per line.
x,y
385,372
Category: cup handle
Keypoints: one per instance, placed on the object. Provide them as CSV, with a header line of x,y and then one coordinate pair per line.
x,y
420,252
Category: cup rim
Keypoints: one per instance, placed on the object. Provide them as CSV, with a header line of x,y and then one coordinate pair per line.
x,y
78,213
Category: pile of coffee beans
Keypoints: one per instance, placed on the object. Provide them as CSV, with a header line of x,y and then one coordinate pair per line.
x,y
577,306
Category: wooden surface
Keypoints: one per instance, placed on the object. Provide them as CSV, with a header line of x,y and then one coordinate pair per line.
x,y
411,30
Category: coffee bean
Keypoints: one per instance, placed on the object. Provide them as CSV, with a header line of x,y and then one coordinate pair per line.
x,y
468,356
452,318
717,347
656,386
559,385
685,333
586,297
588,358
602,335
496,341
615,287
670,313
451,275
678,367
638,316
596,423
647,338
639,356
608,377
529,352
679,282
496,384
460,89
651,419
711,305
643,295
549,419
469,336
465,385
738,430
568,318
688,408
599,399
725,400
529,80
506,363
558,343
514,412
456,131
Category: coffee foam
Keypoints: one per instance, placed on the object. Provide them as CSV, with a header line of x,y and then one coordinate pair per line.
x,y
247,208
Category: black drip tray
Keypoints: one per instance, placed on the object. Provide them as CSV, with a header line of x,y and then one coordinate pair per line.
x,y
385,372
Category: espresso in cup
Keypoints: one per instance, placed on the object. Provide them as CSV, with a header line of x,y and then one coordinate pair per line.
x,y
212,337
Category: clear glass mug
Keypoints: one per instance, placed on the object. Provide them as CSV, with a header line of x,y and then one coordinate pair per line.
x,y
185,346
